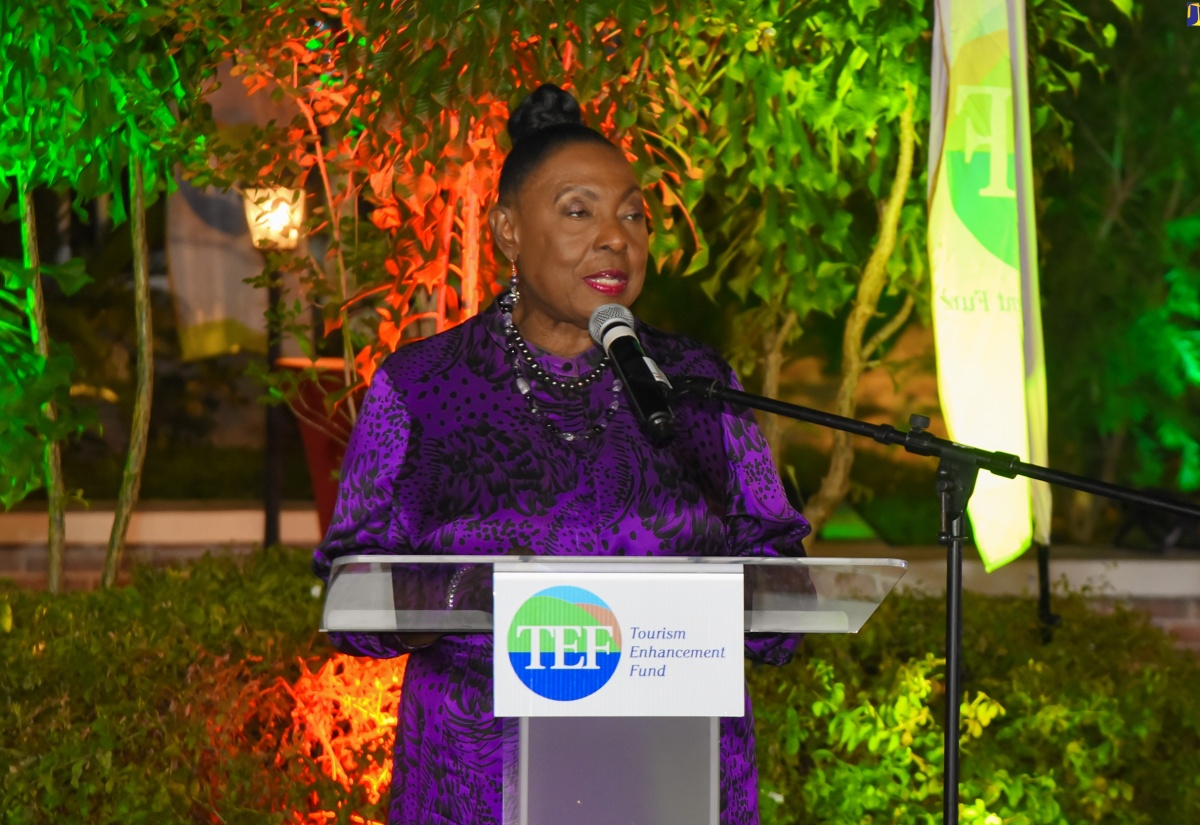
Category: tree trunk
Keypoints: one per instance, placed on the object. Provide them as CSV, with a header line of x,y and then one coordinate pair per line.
x,y
855,354
772,425
55,487
1086,509
132,479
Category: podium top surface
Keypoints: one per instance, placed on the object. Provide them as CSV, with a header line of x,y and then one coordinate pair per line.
x,y
454,593
613,563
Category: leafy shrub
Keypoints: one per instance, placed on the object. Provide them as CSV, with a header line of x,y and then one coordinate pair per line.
x,y
169,700
1101,724
205,695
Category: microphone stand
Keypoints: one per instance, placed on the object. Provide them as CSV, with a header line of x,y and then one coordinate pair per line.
x,y
958,468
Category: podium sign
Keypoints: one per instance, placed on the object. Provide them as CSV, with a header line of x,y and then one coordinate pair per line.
x,y
647,641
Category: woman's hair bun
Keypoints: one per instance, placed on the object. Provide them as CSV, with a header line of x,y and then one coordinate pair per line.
x,y
545,121
547,106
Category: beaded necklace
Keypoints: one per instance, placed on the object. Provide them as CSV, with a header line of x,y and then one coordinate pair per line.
x,y
528,372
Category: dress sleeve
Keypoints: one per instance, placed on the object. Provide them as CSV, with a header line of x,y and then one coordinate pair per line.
x,y
760,519
365,519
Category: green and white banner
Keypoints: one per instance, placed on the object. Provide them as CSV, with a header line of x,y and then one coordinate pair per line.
x,y
982,248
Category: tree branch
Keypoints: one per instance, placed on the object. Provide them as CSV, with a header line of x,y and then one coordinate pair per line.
x,y
836,482
55,486
889,329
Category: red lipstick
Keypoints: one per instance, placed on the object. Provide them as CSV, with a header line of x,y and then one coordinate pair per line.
x,y
608,281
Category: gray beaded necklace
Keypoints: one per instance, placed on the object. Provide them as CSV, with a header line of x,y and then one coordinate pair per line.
x,y
528,373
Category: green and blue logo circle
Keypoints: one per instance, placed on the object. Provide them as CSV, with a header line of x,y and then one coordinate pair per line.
x,y
564,643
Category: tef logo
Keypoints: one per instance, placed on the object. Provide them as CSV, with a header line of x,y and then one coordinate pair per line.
x,y
1193,18
564,643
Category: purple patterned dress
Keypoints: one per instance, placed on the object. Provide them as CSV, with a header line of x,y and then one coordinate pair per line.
x,y
447,457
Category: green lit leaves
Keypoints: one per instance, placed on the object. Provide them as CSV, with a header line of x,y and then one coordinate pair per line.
x,y
29,385
862,8
1185,232
84,84
795,122
1053,733
71,276
87,86
1167,364
1124,6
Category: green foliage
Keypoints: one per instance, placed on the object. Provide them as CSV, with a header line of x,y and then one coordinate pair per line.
x,y
1064,43
29,383
797,134
85,86
1120,248
88,83
150,703
882,757
1090,727
1154,368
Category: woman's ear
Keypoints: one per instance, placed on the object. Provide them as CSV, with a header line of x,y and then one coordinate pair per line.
x,y
504,231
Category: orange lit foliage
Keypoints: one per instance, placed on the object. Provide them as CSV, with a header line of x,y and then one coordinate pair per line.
x,y
401,110
323,739
344,722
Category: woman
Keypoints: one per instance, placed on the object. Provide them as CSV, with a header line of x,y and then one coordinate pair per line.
x,y
510,434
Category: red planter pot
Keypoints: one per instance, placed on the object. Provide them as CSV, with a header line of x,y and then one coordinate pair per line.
x,y
324,434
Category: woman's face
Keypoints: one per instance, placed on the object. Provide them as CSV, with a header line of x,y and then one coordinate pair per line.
x,y
577,230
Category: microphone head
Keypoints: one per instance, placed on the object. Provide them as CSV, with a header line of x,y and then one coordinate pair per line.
x,y
604,317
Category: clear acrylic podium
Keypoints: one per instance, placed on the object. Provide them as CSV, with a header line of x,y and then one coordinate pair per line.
x,y
604,770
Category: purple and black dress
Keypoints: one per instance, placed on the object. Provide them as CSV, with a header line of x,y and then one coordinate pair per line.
x,y
450,457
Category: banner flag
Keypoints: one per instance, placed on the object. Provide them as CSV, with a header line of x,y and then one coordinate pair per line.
x,y
982,250
1031,301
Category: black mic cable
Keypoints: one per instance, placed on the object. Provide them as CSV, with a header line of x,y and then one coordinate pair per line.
x,y
611,326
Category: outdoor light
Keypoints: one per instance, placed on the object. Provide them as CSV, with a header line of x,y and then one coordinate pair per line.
x,y
275,216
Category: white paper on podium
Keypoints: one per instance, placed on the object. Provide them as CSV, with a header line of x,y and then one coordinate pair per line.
x,y
661,642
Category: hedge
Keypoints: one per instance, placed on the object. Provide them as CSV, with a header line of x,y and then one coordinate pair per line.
x,y
1099,724
204,695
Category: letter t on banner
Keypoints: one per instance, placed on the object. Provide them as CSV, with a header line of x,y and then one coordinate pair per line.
x,y
982,249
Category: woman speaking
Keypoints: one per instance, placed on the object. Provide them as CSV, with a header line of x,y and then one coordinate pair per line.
x,y
511,433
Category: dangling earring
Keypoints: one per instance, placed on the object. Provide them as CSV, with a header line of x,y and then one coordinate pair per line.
x,y
512,284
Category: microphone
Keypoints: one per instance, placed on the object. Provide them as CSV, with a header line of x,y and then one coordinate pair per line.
x,y
611,326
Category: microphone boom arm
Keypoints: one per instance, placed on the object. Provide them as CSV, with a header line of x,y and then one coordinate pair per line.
x,y
920,442
958,467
